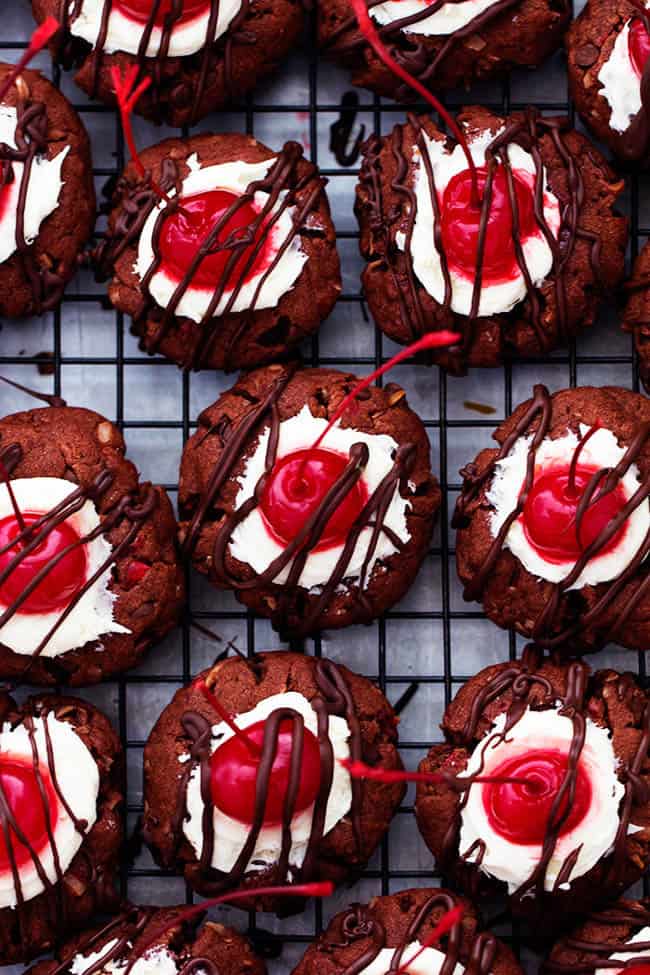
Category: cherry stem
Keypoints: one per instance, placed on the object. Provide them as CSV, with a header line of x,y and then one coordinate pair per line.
x,y
39,39
571,489
448,921
371,34
359,770
251,745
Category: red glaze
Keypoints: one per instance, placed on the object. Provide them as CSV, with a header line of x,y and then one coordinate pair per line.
x,y
234,774
185,230
140,10
20,786
5,197
638,44
296,488
520,812
135,573
55,591
549,515
639,969
460,221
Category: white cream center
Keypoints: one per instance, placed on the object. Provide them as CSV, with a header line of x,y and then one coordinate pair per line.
x,y
447,18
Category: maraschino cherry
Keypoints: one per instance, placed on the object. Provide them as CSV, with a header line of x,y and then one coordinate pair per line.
x,y
638,969
60,584
638,43
520,811
23,796
140,10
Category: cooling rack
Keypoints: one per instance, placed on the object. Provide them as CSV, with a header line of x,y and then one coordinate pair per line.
x,y
432,641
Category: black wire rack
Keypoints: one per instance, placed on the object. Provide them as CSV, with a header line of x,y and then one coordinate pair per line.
x,y
84,352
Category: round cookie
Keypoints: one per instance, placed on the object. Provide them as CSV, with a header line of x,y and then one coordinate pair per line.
x,y
155,939
242,271
311,540
636,313
61,773
458,44
620,932
607,50
554,523
437,260
47,195
215,52
555,814
89,571
216,803
395,927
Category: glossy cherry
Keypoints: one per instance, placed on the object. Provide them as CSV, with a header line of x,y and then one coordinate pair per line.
x,y
549,515
638,44
520,811
184,231
460,220
24,798
639,969
296,488
60,584
235,766
140,10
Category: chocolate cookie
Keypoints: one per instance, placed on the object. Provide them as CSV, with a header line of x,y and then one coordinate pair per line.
x,y
458,44
220,809
544,787
156,936
239,263
511,287
47,196
199,54
313,539
394,928
636,314
607,51
554,523
620,932
89,572
61,772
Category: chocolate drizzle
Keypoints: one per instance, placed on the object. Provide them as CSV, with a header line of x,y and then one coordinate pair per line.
x,y
594,954
287,186
549,629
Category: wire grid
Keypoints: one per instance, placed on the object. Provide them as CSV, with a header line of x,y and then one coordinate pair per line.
x,y
84,351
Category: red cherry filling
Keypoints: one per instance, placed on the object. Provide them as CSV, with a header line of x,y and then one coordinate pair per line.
x,y
520,811
23,795
549,515
639,969
235,768
638,45
296,488
460,220
140,10
184,231
57,588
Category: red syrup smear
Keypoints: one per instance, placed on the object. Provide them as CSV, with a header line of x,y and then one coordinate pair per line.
x,y
638,45
460,221
140,11
39,39
23,796
371,34
520,812
448,921
638,969
63,579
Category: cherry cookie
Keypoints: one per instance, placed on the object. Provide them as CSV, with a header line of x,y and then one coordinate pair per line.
x,y
607,50
554,524
311,536
438,258
155,940
198,54
395,933
456,43
619,933
61,774
555,812
89,572
47,196
237,265
636,314
244,784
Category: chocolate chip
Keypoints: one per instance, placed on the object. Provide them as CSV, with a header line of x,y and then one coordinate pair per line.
x,y
586,55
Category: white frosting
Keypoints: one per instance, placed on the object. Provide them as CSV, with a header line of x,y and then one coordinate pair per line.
x,y
92,617
155,961
231,835
513,863
448,18
235,177
601,450
125,34
43,190
251,541
621,85
640,936
78,779
428,962
500,296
